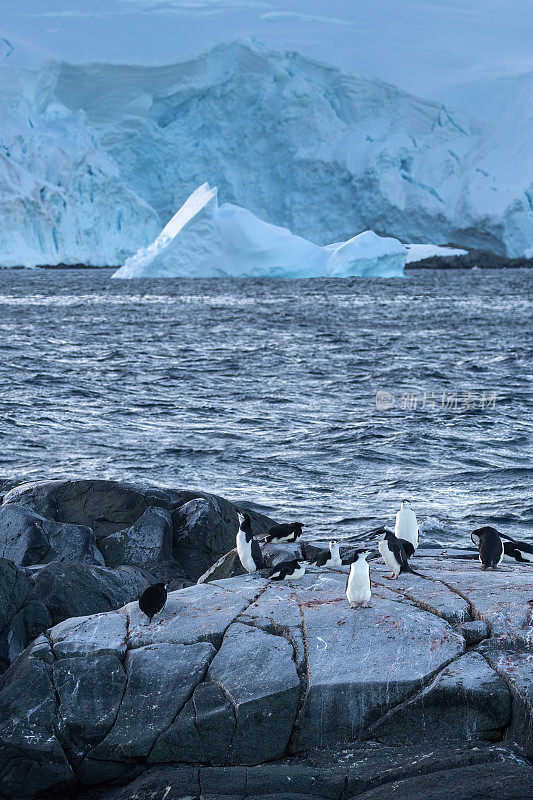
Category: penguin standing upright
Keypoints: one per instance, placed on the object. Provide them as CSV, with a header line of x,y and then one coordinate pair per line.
x,y
248,548
490,546
406,528
394,555
358,589
286,532
153,600
328,558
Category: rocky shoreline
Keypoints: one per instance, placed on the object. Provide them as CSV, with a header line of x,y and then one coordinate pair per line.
x,y
241,687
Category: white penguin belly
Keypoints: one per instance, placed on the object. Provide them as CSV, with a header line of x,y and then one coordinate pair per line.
x,y
244,551
389,558
296,575
358,589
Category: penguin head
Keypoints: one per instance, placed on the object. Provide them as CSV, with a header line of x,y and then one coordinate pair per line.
x,y
362,554
245,522
298,526
406,503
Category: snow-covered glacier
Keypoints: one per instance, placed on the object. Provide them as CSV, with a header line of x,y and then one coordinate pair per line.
x,y
203,240
96,157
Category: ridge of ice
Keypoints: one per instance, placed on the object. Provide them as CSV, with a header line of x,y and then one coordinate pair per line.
x,y
203,240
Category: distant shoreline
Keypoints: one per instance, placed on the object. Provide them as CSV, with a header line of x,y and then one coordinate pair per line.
x,y
481,259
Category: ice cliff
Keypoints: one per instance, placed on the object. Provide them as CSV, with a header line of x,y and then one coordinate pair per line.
x,y
95,158
208,241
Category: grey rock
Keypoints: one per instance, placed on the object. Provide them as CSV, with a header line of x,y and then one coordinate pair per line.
x,y
203,531
362,662
22,615
96,682
27,538
146,543
164,676
31,757
467,701
203,526
195,614
87,636
478,782
474,632
78,590
256,671
229,566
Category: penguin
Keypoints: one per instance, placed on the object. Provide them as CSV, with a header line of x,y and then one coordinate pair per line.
x,y
247,547
406,526
407,546
358,589
286,571
519,551
153,600
328,558
394,555
287,532
490,546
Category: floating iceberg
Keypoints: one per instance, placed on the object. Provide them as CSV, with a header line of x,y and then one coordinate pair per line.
x,y
203,240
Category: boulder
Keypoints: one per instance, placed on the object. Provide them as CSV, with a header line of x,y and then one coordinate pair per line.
x,y
177,534
22,615
75,590
27,538
148,544
259,688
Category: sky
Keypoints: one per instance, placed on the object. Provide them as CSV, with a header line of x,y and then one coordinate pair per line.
x,y
431,48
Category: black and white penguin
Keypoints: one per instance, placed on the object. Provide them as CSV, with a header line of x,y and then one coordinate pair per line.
x,y
286,532
328,558
286,571
358,589
518,551
406,527
490,546
407,546
394,555
153,600
247,547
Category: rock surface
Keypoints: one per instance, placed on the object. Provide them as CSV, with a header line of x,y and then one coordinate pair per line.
x,y
241,671
22,615
176,534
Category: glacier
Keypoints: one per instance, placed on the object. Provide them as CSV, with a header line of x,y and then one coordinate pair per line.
x,y
95,158
205,240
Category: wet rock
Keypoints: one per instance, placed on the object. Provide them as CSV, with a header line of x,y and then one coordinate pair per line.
x,y
22,615
27,538
203,531
77,590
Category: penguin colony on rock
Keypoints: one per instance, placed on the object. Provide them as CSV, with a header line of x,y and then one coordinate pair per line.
x,y
396,548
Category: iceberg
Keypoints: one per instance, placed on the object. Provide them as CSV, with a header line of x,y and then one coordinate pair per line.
x,y
205,240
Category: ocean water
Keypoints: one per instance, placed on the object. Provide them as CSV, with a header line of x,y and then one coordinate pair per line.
x,y
265,392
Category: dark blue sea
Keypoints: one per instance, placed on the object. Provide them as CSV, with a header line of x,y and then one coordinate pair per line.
x,y
265,391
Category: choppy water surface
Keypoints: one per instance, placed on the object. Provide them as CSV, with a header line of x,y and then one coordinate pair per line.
x,y
265,391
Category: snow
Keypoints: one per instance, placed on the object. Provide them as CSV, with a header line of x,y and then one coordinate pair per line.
x,y
418,252
203,240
